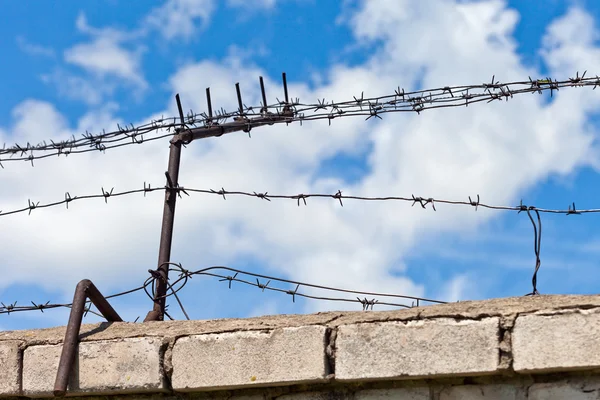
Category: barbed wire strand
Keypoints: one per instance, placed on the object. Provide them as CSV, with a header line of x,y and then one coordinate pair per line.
x,y
295,111
422,201
185,275
301,198
13,307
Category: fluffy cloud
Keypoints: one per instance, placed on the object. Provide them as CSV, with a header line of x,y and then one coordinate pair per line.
x,y
570,44
110,59
180,18
496,150
105,55
113,57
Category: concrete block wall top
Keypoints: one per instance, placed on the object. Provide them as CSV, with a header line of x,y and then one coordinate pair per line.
x,y
395,349
10,366
500,339
237,359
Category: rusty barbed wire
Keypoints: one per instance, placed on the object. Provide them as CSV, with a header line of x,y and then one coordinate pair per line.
x,y
186,275
293,110
301,198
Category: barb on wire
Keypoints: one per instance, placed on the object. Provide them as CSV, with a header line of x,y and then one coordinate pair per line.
x,y
338,196
286,111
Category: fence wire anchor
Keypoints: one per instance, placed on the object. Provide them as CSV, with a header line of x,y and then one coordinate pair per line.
x,y
85,290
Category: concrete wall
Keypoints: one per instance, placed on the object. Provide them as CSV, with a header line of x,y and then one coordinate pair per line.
x,y
542,347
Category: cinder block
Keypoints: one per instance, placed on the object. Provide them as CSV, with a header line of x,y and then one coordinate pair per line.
x,y
482,392
249,358
440,347
580,390
421,393
560,342
103,367
10,368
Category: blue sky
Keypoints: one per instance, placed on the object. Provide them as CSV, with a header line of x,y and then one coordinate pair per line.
x,y
95,64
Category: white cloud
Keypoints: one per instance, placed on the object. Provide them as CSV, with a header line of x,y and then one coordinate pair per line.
x,y
34,49
113,56
181,18
568,53
90,91
570,44
105,55
497,150
33,117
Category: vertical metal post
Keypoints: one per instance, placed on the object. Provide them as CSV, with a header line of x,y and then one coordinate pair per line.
x,y
166,233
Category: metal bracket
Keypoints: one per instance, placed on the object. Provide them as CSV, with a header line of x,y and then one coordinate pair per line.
x,y
84,290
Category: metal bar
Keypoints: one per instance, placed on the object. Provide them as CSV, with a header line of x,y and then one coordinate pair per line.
x,y
209,105
180,109
229,127
84,289
101,303
263,94
239,98
67,356
285,89
166,233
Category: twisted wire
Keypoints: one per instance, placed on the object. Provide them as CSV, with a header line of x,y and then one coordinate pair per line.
x,y
293,110
186,275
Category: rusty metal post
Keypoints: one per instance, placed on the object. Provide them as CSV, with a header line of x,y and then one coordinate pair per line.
x,y
186,135
166,233
85,289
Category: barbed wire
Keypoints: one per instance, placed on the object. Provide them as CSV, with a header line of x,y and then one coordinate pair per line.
x,y
105,194
293,110
185,275
301,198
423,202
89,142
13,307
